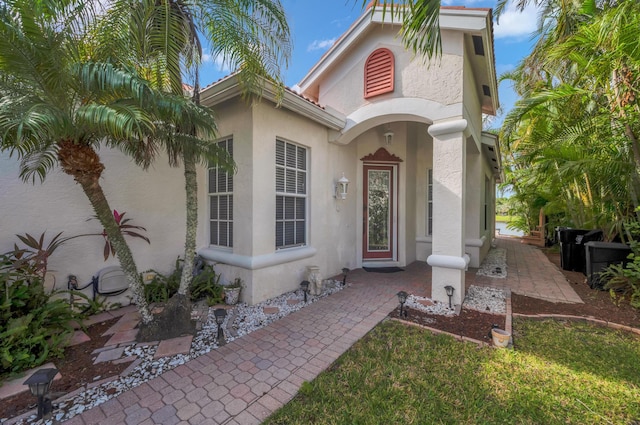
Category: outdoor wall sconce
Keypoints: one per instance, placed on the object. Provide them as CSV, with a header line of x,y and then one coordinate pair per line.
x,y
341,187
388,136
305,288
449,290
39,384
220,314
344,276
402,298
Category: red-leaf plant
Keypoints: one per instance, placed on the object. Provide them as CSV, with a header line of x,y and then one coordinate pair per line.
x,y
35,257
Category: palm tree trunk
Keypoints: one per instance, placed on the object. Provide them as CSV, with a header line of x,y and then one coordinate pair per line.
x,y
83,163
191,189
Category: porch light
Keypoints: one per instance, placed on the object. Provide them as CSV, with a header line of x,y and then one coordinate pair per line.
x,y
39,384
341,187
402,298
220,314
305,288
449,290
388,136
344,276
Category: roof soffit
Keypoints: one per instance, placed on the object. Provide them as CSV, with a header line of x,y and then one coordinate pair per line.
x,y
229,88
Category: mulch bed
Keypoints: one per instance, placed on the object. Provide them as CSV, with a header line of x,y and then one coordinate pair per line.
x,y
78,369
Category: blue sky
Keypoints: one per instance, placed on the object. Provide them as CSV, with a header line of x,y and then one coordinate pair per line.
x,y
315,25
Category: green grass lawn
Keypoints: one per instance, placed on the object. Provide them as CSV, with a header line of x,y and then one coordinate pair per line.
x,y
505,218
559,373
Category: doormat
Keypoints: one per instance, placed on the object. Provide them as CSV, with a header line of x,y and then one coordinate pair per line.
x,y
383,269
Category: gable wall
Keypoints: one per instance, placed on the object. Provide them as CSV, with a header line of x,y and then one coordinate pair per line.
x,y
343,87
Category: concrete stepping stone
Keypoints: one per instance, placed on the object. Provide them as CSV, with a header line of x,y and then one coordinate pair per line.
x,y
426,303
126,322
293,301
77,338
122,337
16,386
270,310
109,355
173,346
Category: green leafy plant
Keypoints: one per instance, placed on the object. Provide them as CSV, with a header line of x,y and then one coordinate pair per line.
x,y
206,285
624,280
162,287
34,325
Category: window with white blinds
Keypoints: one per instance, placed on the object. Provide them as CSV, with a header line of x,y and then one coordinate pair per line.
x,y
221,202
291,195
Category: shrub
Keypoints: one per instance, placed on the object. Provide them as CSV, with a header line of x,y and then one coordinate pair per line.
x,y
624,280
206,285
33,325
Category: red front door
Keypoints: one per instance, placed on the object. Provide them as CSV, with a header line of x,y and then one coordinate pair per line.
x,y
378,227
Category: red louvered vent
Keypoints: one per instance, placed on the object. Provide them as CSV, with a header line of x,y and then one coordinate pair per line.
x,y
378,73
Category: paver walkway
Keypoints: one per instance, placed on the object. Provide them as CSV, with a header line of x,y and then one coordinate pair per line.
x,y
251,377
530,273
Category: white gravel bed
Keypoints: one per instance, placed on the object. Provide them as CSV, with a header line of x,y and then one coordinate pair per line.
x,y
432,307
494,264
246,319
485,299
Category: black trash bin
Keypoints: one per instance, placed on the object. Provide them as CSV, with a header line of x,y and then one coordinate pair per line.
x,y
599,256
578,256
567,237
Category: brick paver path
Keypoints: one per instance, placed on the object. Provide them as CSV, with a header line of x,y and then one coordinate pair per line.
x,y
245,381
530,273
251,377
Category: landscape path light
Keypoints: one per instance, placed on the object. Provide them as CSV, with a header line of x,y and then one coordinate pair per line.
x,y
449,290
39,384
402,298
344,276
305,288
220,314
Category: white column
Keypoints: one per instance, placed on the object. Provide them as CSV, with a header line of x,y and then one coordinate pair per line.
x,y
448,259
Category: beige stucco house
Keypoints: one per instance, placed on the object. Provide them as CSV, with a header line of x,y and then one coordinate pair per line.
x,y
405,132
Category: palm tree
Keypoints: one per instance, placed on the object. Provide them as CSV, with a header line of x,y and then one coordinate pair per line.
x,y
580,122
162,39
58,106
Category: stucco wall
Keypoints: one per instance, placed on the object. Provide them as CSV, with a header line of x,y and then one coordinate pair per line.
x,y
331,230
153,199
441,82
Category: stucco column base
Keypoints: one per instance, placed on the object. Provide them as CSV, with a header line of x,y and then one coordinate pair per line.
x,y
441,277
448,271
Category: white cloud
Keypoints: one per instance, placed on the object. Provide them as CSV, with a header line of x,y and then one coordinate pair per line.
x,y
321,44
217,61
515,24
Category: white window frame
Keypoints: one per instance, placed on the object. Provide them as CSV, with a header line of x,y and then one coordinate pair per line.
x,y
219,217
292,176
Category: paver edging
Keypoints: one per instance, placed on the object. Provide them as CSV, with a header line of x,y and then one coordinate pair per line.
x,y
611,325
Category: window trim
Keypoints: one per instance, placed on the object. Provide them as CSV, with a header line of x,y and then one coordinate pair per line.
x,y
292,195
229,182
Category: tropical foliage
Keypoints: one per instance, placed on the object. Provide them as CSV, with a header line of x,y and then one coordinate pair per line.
x,y
570,144
163,39
62,99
